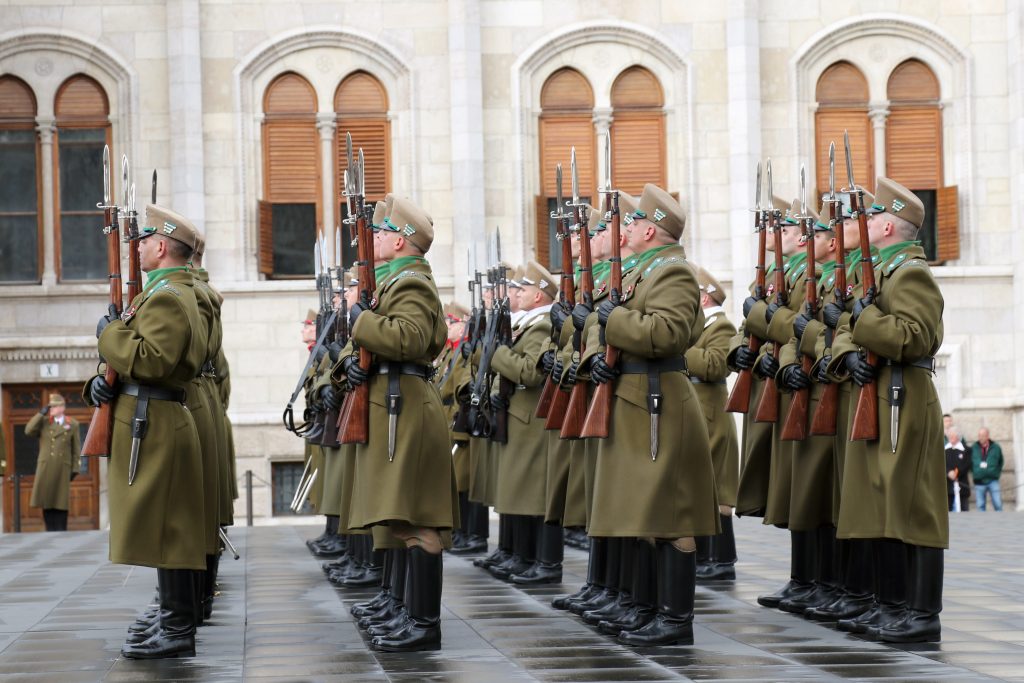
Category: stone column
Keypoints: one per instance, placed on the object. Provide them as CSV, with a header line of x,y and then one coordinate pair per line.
x,y
878,114
1015,88
185,101
326,123
467,137
603,127
744,73
46,127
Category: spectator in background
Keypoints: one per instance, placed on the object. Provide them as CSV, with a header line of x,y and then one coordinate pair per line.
x,y
986,466
947,422
958,467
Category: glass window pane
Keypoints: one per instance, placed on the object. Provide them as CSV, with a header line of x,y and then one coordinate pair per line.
x,y
285,479
294,234
26,451
927,233
81,169
19,249
17,171
83,247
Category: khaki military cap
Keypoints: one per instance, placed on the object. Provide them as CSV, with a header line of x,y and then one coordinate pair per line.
x,y
349,278
627,206
200,245
538,276
456,311
891,197
515,277
310,317
824,215
710,286
56,400
161,221
660,208
790,211
597,218
869,204
406,218
381,209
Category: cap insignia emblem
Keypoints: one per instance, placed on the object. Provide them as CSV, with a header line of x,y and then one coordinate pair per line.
x,y
169,228
898,205
543,283
658,215
408,230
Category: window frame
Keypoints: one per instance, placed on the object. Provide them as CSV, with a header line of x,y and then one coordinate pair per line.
x,y
30,124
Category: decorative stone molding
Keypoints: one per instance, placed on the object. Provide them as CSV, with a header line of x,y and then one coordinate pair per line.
x,y
642,46
280,53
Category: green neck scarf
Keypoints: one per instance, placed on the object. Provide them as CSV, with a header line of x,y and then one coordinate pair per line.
x,y
888,252
825,269
796,260
601,270
648,255
853,260
381,271
154,275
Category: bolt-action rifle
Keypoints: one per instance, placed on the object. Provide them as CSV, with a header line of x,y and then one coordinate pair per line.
x,y
768,408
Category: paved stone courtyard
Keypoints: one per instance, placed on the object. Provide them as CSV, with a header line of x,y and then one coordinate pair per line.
x,y
64,609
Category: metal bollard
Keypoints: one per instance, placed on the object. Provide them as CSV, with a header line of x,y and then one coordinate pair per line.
x,y
17,503
248,497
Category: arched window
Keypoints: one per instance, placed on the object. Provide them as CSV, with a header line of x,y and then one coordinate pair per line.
x,y
20,226
566,121
361,105
842,95
290,213
638,131
913,154
83,128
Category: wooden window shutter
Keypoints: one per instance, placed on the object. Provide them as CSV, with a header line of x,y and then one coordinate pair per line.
x,y
947,223
842,96
638,131
81,100
266,237
540,203
293,174
913,131
361,103
17,103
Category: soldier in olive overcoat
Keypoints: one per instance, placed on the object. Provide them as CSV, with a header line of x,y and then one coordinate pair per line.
x,y
60,449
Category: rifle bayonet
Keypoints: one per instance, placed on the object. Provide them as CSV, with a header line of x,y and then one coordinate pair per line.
x,y
362,174
608,162
803,193
832,171
849,161
771,195
557,213
757,189
153,191
124,182
106,178
575,177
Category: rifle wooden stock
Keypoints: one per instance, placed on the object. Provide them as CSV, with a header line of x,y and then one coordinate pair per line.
x,y
559,404
354,420
794,428
864,426
547,394
865,418
329,438
599,417
739,397
824,422
101,424
575,412
768,407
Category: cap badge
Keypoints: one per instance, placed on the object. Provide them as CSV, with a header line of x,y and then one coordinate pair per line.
x,y
898,205
408,230
543,283
658,215
169,228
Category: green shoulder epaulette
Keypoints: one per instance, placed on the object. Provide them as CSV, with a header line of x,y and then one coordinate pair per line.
x,y
901,260
404,274
662,261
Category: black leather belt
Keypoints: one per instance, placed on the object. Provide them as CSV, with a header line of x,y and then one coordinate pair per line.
x,y
154,393
927,363
896,388
415,369
646,367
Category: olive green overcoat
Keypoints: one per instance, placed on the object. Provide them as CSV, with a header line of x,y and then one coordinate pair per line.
x,y
60,450
206,416
523,461
158,521
706,366
563,486
672,496
417,486
899,495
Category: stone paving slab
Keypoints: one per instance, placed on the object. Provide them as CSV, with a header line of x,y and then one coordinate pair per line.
x,y
64,610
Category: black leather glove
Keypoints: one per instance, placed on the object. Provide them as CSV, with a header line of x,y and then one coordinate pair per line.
x,y
353,371
831,314
580,314
794,378
321,351
557,369
334,351
800,324
329,398
547,361
574,368
822,375
559,314
858,307
860,370
353,313
45,410
604,309
600,371
768,367
748,304
770,311
110,317
498,402
100,391
466,350
744,358
73,475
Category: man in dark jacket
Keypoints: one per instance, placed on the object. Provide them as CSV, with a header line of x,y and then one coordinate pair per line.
x,y
986,467
958,467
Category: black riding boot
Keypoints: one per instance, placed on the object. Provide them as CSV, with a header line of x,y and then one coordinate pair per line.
x,y
550,552
374,604
392,615
891,569
620,607
643,592
801,570
921,622
524,547
722,564
460,535
176,636
330,528
595,570
856,564
826,579
504,549
210,584
422,631
609,592
677,581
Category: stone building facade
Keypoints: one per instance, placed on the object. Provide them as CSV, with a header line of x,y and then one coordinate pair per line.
x,y
186,87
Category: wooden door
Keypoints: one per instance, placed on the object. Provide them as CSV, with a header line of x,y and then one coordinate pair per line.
x,y
20,403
